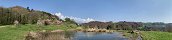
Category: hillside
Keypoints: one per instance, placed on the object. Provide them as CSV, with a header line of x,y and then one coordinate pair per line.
x,y
23,15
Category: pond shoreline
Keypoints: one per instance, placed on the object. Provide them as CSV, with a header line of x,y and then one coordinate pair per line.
x,y
44,33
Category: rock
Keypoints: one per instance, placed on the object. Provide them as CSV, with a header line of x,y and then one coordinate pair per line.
x,y
16,23
57,22
48,22
40,22
58,31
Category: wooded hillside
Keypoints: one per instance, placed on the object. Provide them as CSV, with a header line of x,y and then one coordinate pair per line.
x,y
23,15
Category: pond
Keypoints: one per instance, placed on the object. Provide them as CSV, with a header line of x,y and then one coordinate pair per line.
x,y
79,36
98,36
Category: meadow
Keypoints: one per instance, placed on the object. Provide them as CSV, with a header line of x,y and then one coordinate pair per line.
x,y
12,32
156,35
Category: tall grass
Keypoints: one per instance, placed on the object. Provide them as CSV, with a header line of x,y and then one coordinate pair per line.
x,y
155,35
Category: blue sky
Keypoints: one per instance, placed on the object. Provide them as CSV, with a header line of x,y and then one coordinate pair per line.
x,y
108,10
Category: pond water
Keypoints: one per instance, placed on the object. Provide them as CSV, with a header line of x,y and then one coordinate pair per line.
x,y
78,36
98,36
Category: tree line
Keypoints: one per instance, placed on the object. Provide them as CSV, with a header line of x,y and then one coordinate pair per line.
x,y
123,25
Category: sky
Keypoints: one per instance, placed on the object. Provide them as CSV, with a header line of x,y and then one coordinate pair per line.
x,y
102,10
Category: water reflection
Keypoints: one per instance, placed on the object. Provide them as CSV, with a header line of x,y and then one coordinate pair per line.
x,y
98,36
71,35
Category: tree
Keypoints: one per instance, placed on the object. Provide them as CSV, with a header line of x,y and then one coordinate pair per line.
x,y
168,27
67,19
28,9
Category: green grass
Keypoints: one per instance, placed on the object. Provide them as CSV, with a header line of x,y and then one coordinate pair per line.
x,y
155,35
10,32
124,33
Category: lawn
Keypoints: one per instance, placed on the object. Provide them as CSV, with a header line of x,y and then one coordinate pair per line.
x,y
11,32
155,35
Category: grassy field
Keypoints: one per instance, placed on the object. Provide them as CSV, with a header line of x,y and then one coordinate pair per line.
x,y
11,32
154,35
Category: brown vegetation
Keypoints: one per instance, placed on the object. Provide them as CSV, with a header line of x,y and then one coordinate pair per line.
x,y
52,35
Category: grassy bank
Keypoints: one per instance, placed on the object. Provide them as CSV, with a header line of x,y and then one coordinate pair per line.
x,y
154,35
11,32
124,33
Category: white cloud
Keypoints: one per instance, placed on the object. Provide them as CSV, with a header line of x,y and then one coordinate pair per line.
x,y
60,15
76,19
